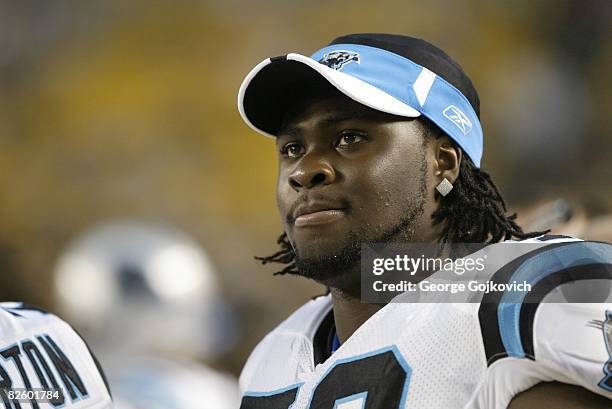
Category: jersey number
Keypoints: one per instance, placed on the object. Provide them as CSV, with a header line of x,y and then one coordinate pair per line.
x,y
380,380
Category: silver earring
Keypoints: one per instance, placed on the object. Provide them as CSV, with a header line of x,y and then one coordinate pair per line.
x,y
444,187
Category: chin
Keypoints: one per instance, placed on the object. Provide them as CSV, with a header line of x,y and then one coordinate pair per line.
x,y
342,276
319,249
325,261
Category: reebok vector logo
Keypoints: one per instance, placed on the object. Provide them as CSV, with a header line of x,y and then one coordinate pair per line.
x,y
458,118
337,59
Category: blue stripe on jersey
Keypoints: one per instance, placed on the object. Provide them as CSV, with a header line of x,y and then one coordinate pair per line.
x,y
335,343
532,271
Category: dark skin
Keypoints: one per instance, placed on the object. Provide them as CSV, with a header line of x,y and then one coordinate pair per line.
x,y
355,161
337,153
350,174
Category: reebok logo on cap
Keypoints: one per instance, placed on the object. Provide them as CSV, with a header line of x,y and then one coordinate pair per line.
x,y
458,118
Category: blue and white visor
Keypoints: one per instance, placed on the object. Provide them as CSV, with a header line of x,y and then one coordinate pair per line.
x,y
377,78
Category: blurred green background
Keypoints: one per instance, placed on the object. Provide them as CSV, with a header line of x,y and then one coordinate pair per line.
x,y
127,109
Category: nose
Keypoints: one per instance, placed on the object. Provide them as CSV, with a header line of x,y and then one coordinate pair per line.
x,y
312,172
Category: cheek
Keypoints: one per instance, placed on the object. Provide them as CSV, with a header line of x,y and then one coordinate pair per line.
x,y
284,194
387,184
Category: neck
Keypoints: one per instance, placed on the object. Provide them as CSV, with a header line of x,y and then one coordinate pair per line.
x,y
350,313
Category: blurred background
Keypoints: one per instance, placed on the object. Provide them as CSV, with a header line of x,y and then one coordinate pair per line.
x,y
126,110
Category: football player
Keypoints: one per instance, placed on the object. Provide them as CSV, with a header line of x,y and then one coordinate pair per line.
x,y
45,363
148,298
379,140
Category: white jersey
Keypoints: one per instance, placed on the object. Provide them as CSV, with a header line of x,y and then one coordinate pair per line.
x,y
40,353
476,355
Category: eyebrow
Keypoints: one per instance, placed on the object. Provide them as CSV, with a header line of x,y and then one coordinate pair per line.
x,y
359,114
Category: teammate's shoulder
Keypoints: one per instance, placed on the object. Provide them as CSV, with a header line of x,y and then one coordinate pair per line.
x,y
20,321
18,317
37,340
19,309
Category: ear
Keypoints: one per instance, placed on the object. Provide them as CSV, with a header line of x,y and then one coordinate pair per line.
x,y
447,159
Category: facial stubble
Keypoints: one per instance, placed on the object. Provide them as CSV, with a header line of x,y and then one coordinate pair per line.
x,y
327,267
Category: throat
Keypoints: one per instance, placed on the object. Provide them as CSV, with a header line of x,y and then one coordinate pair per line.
x,y
350,313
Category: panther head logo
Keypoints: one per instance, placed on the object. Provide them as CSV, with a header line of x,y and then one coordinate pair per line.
x,y
606,327
337,59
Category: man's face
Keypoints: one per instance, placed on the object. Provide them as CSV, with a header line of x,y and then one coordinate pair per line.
x,y
350,175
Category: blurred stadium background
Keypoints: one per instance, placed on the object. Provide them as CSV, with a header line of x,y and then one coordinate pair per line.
x,y
127,109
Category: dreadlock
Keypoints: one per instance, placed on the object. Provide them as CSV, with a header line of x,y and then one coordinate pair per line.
x,y
473,212
284,256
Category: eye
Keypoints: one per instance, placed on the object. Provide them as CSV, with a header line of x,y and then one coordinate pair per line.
x,y
348,138
292,150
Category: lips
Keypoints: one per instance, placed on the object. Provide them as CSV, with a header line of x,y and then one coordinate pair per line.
x,y
318,218
316,214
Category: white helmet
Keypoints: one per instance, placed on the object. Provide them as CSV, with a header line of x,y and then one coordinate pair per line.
x,y
133,287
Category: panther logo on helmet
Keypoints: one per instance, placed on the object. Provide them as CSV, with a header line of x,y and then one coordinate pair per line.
x,y
337,59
